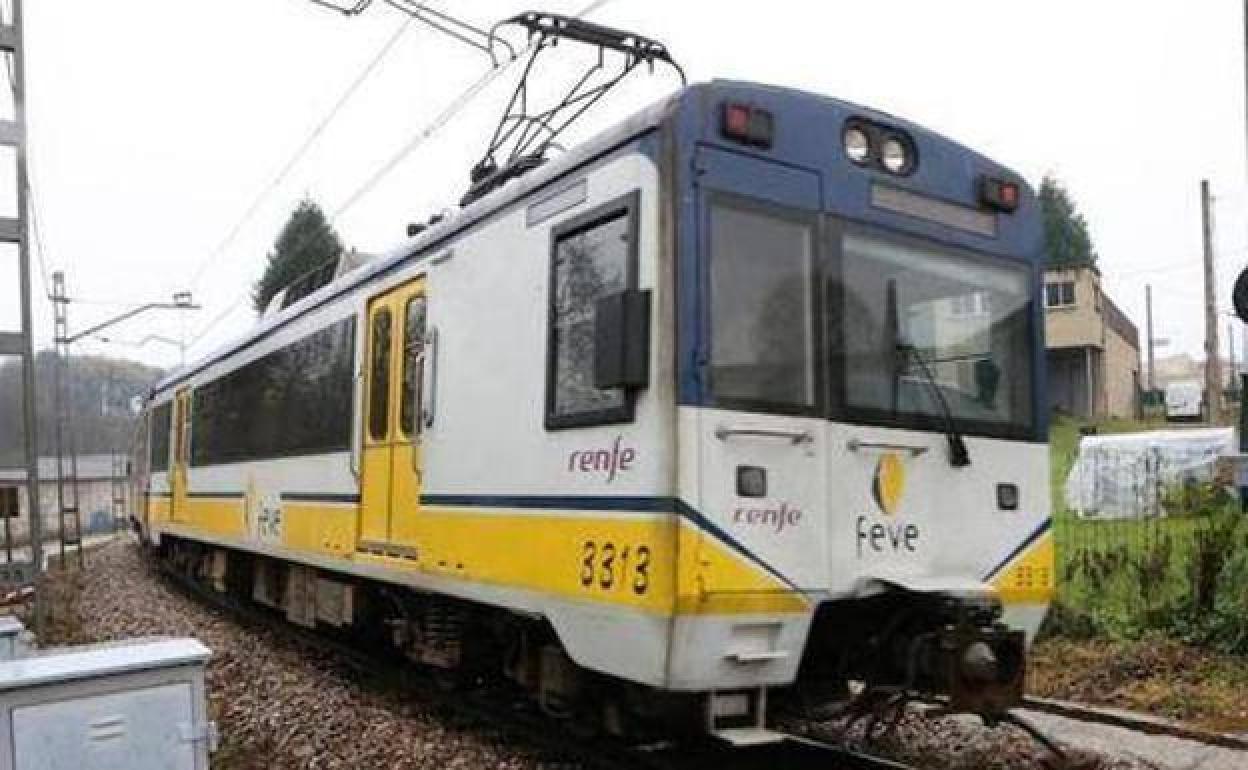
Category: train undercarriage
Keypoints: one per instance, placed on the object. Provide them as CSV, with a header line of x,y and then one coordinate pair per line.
x,y
865,659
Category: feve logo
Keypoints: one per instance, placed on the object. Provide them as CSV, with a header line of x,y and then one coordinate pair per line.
x,y
889,483
888,486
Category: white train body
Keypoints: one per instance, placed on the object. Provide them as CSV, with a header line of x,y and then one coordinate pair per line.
x,y
720,521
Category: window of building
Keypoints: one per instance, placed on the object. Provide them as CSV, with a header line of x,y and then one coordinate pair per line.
x,y
974,304
162,424
1059,294
295,400
593,256
379,376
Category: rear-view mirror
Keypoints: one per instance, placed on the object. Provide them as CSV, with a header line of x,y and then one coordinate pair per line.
x,y
622,340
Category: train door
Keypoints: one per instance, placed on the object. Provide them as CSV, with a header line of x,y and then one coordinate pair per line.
x,y
763,479
391,465
179,504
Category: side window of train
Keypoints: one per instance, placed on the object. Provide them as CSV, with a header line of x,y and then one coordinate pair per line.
x,y
161,425
593,256
379,376
413,362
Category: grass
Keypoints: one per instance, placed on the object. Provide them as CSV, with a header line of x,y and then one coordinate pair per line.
x,y
1150,614
1122,577
1155,674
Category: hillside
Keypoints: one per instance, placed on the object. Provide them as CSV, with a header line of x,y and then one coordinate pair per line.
x,y
101,391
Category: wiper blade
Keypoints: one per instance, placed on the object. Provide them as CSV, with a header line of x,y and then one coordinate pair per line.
x,y
959,457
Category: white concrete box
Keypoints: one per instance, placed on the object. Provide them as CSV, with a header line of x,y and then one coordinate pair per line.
x,y
137,705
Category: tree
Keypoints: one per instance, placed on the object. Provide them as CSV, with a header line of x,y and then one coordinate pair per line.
x,y
306,242
1066,239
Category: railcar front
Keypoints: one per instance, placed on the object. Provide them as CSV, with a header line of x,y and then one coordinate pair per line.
x,y
861,407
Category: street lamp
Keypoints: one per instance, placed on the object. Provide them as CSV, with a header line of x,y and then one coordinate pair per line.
x,y
181,301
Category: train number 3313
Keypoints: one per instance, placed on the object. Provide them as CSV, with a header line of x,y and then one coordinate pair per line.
x,y
610,567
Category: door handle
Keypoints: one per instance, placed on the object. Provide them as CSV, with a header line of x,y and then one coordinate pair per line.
x,y
858,445
429,380
725,432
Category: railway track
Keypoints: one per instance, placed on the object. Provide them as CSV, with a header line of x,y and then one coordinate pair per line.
x,y
1136,722
506,712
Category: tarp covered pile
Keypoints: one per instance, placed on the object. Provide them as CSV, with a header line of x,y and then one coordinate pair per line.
x,y
1125,475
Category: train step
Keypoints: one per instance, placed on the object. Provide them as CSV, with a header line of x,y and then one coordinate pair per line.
x,y
749,736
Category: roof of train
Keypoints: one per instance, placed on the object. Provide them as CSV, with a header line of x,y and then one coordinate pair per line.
x,y
424,243
409,248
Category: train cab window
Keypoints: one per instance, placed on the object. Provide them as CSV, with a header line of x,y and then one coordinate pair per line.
x,y
413,363
593,255
379,376
762,308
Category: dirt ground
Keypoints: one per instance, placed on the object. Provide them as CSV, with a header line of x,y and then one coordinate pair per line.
x,y
1154,675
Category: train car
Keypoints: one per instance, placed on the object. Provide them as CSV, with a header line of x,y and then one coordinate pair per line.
x,y
743,397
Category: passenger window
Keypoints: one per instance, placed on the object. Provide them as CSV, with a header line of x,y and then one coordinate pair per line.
x,y
591,258
413,363
379,376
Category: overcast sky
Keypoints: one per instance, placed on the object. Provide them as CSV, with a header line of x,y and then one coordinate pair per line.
x,y
156,123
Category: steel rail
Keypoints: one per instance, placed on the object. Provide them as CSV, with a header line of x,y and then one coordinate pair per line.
x,y
1139,723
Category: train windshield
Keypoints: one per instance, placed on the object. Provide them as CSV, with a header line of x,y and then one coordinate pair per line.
x,y
880,333
906,307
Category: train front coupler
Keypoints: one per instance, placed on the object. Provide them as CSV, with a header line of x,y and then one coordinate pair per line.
x,y
974,663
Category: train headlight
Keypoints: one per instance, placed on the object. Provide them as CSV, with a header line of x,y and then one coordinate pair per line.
x,y
857,145
1007,497
895,155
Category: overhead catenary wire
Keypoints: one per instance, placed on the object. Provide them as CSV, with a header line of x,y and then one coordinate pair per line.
x,y
419,138
301,151
457,105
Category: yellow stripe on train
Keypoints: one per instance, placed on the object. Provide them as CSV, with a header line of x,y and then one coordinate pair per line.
x,y
657,563
1031,577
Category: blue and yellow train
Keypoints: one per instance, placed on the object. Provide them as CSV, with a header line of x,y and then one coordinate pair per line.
x,y
742,397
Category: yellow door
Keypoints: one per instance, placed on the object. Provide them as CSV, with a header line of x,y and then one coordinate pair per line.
x,y
390,468
179,506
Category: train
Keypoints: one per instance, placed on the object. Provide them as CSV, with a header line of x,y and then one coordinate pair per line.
x,y
740,402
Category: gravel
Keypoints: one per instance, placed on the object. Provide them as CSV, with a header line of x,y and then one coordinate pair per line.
x,y
282,704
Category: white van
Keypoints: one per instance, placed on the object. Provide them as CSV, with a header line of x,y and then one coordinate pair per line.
x,y
1185,401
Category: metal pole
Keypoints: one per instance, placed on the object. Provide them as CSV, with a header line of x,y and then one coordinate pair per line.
x,y
1148,309
35,510
1230,355
1213,378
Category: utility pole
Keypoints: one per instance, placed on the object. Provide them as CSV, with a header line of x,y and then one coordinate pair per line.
x,y
70,517
1230,354
1213,369
21,343
1148,314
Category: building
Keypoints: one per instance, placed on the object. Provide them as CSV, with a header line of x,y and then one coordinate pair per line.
x,y
100,476
1093,349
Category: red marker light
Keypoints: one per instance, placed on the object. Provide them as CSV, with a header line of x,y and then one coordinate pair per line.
x,y
1009,194
998,194
748,125
736,121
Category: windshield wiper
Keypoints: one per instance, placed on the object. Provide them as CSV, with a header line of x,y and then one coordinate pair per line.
x,y
959,457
